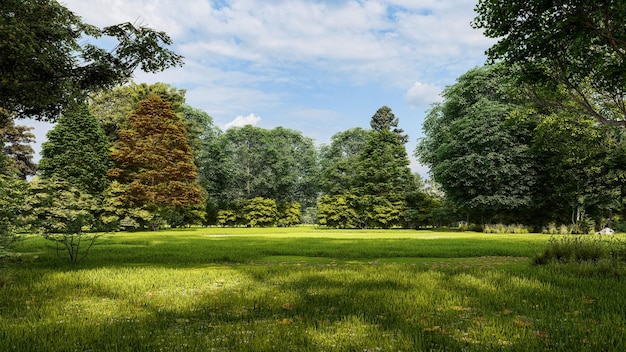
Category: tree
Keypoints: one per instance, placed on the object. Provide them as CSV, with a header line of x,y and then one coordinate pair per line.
x,y
338,161
383,167
481,157
112,106
338,211
17,150
154,160
260,212
576,44
72,219
47,62
574,153
248,162
13,194
77,151
384,120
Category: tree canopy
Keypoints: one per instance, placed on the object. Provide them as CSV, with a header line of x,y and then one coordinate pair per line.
x,y
46,61
578,44
152,157
77,151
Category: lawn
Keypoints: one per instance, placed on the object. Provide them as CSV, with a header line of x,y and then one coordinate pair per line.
x,y
306,289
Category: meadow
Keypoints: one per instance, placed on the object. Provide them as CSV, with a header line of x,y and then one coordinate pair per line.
x,y
307,289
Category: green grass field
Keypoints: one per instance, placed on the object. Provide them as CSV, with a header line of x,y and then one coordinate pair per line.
x,y
306,289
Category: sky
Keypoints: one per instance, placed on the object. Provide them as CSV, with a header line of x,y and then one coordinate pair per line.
x,y
315,66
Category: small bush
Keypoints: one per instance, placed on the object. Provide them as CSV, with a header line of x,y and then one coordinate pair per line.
x,y
501,228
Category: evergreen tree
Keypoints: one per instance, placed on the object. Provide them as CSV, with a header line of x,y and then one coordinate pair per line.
x,y
17,153
154,160
77,151
384,120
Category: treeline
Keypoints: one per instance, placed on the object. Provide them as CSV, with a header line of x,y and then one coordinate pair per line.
x,y
151,160
510,152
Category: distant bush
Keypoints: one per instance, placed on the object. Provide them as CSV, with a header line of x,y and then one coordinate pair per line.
x,y
501,228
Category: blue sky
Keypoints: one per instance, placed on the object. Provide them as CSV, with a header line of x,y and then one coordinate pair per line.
x,y
316,66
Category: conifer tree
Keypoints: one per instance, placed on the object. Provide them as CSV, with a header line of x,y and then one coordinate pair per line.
x,y
154,160
77,151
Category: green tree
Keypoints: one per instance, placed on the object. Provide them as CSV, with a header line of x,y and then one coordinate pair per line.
x,y
260,212
249,162
384,120
383,167
338,161
47,62
289,214
70,218
574,152
77,151
481,157
338,211
154,160
576,44
13,194
17,151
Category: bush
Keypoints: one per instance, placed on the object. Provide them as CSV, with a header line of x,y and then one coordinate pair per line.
x,y
501,228
578,249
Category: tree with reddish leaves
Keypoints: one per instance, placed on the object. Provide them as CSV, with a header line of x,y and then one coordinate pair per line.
x,y
154,162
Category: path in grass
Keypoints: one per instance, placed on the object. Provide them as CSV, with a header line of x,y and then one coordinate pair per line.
x,y
306,290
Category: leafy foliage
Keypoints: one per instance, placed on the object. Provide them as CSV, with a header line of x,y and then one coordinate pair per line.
x,y
77,151
46,62
12,207
481,157
338,161
70,218
153,157
17,150
578,44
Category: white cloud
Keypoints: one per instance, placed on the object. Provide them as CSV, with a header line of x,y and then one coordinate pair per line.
x,y
422,94
240,121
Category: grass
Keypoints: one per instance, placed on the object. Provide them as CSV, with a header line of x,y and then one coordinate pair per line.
x,y
306,289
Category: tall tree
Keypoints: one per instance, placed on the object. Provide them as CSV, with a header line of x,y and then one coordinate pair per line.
x,y
154,160
19,153
46,61
574,154
338,161
77,151
482,159
577,44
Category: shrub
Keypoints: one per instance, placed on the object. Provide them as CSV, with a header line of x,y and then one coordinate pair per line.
x,y
501,228
584,249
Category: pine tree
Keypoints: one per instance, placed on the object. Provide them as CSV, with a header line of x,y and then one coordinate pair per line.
x,y
384,119
77,151
154,160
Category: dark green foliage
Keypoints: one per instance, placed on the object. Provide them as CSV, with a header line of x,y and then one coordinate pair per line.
x,y
383,167
384,120
339,160
77,151
46,62
249,162
576,44
479,155
13,194
17,153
